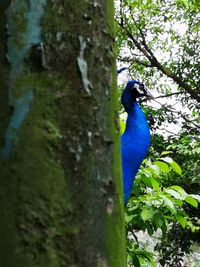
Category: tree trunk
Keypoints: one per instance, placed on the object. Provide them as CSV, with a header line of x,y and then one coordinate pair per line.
x,y
60,174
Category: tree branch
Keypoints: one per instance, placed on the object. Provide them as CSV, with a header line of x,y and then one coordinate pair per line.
x,y
179,113
168,95
135,60
155,63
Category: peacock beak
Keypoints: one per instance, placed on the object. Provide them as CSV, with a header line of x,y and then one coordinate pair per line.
x,y
149,95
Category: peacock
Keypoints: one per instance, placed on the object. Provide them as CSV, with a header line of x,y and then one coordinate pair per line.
x,y
135,140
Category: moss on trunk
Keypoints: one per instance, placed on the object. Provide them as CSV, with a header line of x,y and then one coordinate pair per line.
x,y
61,202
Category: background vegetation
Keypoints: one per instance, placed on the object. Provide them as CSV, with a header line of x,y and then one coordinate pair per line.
x,y
159,43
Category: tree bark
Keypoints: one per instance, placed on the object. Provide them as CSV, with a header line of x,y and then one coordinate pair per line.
x,y
61,189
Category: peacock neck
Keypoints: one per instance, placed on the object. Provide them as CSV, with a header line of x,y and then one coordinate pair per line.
x,y
136,117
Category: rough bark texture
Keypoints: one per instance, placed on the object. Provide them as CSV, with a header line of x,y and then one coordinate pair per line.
x,y
61,195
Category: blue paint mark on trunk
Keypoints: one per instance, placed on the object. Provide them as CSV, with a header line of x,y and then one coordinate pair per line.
x,y
21,109
28,14
24,31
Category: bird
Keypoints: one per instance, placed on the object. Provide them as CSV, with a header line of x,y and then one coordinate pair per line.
x,y
135,140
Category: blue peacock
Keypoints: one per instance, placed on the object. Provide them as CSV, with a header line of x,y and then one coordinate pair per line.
x,y
135,140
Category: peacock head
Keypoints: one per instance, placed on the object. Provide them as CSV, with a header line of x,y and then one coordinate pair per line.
x,y
133,90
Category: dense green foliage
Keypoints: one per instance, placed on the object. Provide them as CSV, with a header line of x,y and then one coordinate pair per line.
x,y
158,207
159,42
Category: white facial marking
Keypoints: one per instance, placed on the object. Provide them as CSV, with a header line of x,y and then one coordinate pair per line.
x,y
136,86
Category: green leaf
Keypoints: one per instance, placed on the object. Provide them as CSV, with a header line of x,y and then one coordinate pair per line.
x,y
173,164
181,219
128,218
149,229
147,214
136,261
154,169
162,166
197,197
155,184
174,193
179,189
158,220
168,203
164,227
179,202
146,181
166,153
192,201
167,159
176,167
122,126
184,2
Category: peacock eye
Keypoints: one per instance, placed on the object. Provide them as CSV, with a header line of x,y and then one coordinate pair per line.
x,y
141,86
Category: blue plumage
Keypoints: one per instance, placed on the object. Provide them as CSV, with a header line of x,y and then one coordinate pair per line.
x,y
136,139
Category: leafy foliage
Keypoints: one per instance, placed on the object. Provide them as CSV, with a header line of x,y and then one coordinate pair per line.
x,y
154,207
159,42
